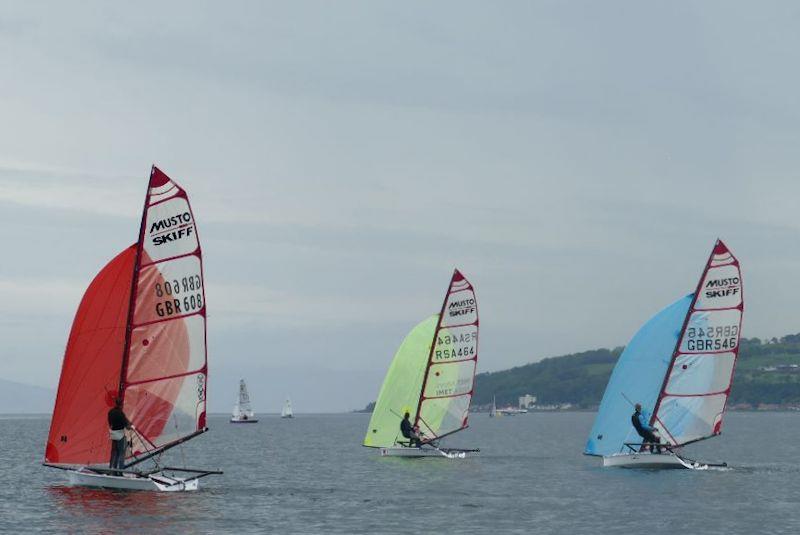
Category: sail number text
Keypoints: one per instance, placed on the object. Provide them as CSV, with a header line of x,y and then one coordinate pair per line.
x,y
716,338
455,346
179,296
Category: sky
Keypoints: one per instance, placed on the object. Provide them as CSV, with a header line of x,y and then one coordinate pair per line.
x,y
576,160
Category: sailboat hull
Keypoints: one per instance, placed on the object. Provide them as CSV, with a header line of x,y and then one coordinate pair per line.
x,y
415,453
248,421
154,482
653,461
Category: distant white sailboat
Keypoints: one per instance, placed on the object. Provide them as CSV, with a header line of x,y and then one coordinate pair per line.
x,y
242,413
286,412
493,410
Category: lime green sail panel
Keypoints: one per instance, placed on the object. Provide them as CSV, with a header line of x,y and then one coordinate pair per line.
x,y
402,386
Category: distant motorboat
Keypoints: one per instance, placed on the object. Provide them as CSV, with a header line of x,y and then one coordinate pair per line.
x,y
511,411
242,412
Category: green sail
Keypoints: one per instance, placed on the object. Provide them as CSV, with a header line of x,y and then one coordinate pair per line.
x,y
402,386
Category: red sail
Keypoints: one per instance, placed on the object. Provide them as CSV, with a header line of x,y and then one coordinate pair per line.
x,y
90,373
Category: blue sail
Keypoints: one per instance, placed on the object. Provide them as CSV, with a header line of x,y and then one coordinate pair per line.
x,y
637,376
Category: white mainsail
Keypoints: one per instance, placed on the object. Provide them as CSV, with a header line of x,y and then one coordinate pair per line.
x,y
242,411
286,412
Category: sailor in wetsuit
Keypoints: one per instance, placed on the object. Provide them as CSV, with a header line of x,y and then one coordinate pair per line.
x,y
408,431
641,422
117,424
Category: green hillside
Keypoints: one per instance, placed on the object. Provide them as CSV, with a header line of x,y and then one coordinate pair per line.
x,y
764,375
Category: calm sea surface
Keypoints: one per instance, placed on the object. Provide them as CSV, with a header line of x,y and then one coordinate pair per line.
x,y
309,475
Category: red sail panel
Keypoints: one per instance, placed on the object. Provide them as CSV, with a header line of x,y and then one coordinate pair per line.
x,y
450,374
695,391
164,369
91,368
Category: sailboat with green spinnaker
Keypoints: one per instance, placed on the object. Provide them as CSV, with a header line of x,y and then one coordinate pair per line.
x,y
431,378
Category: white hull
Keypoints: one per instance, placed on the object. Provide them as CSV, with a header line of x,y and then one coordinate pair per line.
x,y
248,421
422,452
157,481
651,460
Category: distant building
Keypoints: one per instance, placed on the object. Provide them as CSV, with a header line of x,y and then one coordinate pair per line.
x,y
527,401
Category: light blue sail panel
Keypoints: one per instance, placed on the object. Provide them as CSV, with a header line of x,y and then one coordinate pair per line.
x,y
638,376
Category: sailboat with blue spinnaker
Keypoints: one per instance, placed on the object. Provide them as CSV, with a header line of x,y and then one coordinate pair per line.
x,y
679,367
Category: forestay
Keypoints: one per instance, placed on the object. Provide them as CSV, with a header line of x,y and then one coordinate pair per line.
x,y
139,334
679,365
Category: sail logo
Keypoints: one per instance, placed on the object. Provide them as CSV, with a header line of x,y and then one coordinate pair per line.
x,y
722,287
461,308
171,228
201,387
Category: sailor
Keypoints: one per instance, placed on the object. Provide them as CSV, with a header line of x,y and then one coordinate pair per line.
x,y
641,422
117,424
410,432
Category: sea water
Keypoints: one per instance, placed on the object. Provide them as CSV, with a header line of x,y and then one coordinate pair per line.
x,y
310,475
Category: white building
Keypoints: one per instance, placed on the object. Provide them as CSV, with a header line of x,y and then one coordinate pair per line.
x,y
527,401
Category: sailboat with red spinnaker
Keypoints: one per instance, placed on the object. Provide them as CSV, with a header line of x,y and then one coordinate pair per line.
x,y
139,337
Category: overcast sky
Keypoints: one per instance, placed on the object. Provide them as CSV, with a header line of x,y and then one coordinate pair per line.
x,y
576,160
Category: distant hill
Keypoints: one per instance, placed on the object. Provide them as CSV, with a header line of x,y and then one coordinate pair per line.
x,y
369,408
22,398
767,373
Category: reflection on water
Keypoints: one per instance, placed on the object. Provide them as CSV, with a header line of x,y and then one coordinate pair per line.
x,y
107,510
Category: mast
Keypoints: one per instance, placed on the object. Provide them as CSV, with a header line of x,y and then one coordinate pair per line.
x,y
134,287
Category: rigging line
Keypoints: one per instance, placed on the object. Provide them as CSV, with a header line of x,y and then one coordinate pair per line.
x,y
177,432
628,399
144,440
435,436
664,427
